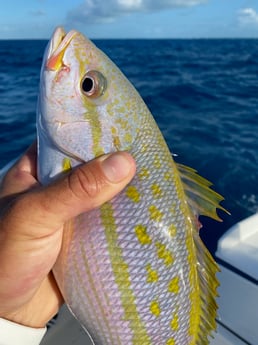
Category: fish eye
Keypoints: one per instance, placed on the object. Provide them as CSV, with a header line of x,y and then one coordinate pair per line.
x,y
93,84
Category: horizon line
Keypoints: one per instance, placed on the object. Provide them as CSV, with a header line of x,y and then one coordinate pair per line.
x,y
139,38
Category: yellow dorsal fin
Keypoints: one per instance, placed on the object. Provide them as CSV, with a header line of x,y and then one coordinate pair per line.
x,y
203,201
201,198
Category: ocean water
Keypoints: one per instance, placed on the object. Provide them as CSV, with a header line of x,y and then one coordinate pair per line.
x,y
202,93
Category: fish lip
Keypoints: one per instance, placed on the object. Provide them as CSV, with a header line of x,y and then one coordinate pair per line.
x,y
57,46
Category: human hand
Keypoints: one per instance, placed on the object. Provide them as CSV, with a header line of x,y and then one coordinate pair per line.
x,y
31,226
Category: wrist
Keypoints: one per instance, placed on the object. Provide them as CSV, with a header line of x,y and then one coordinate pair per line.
x,y
41,308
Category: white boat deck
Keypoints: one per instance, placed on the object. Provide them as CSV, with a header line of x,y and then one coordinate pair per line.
x,y
238,302
239,246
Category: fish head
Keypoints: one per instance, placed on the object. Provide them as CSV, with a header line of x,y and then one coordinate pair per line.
x,y
86,105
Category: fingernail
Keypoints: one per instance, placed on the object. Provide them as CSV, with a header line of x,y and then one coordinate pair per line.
x,y
117,166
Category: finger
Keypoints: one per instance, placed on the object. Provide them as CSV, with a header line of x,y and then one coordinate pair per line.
x,y
22,175
28,162
44,210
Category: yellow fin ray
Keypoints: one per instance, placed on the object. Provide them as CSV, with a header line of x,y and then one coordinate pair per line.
x,y
202,199
208,284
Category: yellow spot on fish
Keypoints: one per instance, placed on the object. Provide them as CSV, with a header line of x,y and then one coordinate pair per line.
x,y
167,176
144,148
174,324
110,109
171,341
113,130
152,276
172,230
144,173
116,142
141,233
155,308
155,213
164,254
173,285
133,194
123,123
157,162
66,166
121,110
173,208
156,191
128,137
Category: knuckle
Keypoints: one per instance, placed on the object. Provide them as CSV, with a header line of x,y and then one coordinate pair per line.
x,y
87,182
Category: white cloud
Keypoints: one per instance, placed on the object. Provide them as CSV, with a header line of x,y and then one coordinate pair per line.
x,y
99,11
130,4
248,17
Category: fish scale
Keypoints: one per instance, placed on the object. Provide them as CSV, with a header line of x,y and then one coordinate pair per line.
x,y
133,271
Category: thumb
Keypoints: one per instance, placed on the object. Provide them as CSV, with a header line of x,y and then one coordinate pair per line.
x,y
88,186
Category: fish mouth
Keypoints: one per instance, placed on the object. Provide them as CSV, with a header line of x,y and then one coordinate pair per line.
x,y
58,44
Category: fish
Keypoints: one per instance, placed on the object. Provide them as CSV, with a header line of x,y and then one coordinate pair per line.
x,y
133,271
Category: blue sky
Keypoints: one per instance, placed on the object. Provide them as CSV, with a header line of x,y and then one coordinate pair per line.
x,y
130,18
